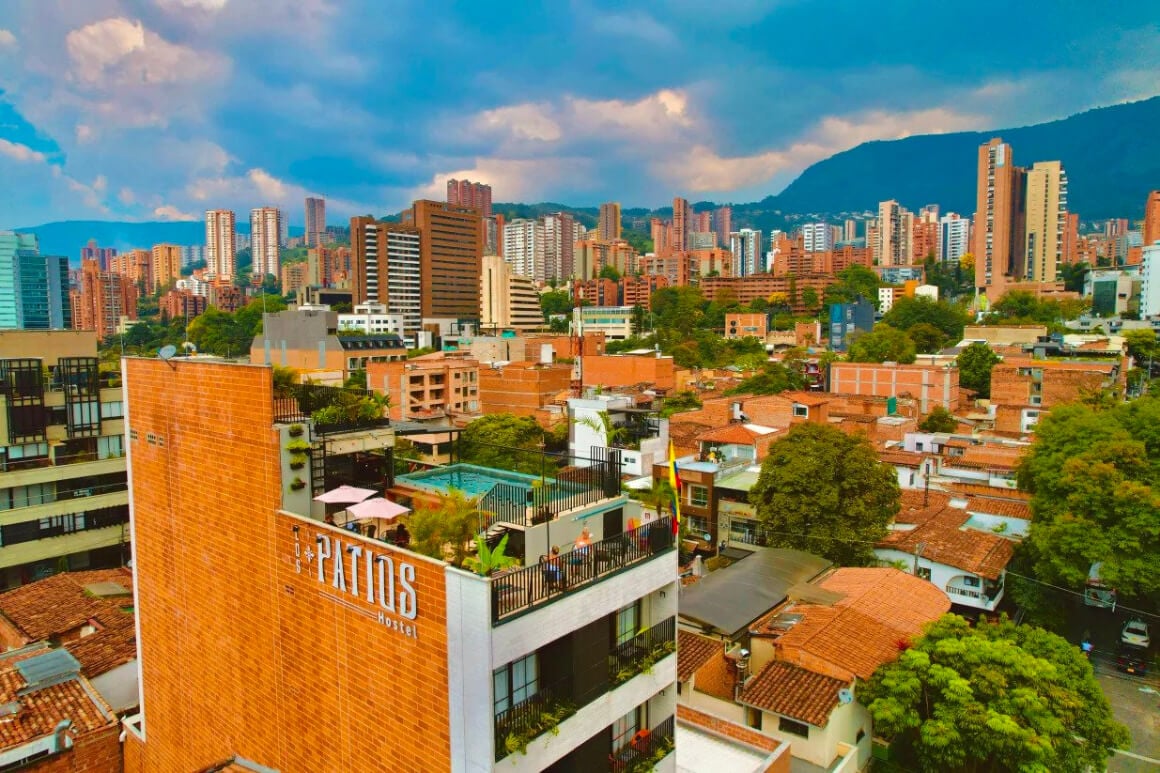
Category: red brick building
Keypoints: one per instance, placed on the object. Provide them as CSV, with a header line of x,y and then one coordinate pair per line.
x,y
181,304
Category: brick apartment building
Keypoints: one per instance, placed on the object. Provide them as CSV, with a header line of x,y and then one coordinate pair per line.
x,y
429,387
623,370
104,297
181,304
522,388
274,637
1022,389
747,289
930,385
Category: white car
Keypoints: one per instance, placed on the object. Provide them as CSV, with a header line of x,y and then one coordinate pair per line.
x,y
1136,633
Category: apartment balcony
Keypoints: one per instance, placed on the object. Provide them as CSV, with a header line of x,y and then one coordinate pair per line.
x,y
521,591
642,754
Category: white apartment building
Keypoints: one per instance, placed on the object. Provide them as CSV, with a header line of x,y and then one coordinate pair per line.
x,y
524,247
372,319
220,243
506,299
746,248
817,237
265,235
404,278
954,236
1150,282
614,321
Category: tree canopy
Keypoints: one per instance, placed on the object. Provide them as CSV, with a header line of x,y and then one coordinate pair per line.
x,y
975,363
555,302
996,697
825,492
1092,475
774,377
883,344
854,281
1024,308
939,420
479,440
949,318
219,332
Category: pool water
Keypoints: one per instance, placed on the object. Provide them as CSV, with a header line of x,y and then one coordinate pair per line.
x,y
468,478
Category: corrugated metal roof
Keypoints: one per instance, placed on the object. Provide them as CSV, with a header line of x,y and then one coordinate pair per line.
x,y
51,667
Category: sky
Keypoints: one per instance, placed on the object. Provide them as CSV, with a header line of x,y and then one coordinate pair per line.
x,y
161,109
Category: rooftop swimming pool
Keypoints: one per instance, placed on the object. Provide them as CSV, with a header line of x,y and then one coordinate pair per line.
x,y
468,478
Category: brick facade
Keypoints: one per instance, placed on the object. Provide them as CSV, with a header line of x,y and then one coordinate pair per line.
x,y
628,370
931,385
96,752
521,388
240,653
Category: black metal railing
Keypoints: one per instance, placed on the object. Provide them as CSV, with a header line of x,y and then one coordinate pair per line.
x,y
552,703
645,750
642,651
524,589
333,409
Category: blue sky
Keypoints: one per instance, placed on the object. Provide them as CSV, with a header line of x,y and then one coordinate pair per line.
x,y
160,109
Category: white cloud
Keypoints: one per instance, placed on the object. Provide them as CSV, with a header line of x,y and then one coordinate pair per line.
x,y
634,25
7,39
118,52
18,152
525,121
208,6
518,179
170,212
268,186
84,133
126,197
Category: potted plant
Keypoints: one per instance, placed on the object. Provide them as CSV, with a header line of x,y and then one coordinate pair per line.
x,y
295,430
298,461
298,447
297,484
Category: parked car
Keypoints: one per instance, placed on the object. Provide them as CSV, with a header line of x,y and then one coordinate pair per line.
x,y
1135,632
1132,660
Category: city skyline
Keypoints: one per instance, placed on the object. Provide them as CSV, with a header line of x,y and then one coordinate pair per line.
x,y
87,91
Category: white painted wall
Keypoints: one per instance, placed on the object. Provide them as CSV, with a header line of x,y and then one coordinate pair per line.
x,y
942,576
469,669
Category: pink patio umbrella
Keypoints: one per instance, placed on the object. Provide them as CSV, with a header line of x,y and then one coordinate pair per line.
x,y
345,495
378,507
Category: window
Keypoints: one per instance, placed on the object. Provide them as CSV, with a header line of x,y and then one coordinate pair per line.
x,y
787,725
753,718
113,410
800,411
515,683
861,734
625,728
109,445
627,622
698,496
923,572
971,581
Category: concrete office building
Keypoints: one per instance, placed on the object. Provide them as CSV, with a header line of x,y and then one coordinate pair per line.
x,y
34,288
507,300
954,236
315,221
999,234
265,235
608,227
1046,220
450,254
524,248
816,237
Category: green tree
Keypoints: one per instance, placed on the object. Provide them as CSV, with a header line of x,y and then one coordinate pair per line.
x,y
853,282
774,378
444,529
949,318
810,300
996,697
489,440
1092,477
1073,275
678,310
555,302
975,364
825,492
939,420
610,272
680,402
883,344
1141,345
927,338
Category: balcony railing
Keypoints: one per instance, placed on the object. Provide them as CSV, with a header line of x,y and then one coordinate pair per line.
x,y
333,409
644,751
643,651
534,586
552,703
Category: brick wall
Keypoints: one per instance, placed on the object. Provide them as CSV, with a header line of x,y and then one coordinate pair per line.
x,y
614,371
521,389
240,653
96,752
732,730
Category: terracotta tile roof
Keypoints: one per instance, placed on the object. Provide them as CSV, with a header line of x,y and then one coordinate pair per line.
x,y
973,551
996,506
807,398
42,709
880,608
783,688
112,646
59,604
901,457
694,651
987,491
914,500
738,434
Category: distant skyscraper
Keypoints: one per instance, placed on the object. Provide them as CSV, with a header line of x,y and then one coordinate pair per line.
x,y
816,237
265,235
524,244
100,254
194,253
315,221
609,227
1150,282
723,224
104,298
451,253
660,234
746,248
1046,221
701,222
998,217
954,235
561,232
1152,219
464,193
33,287
850,230
166,259
894,234
682,214
220,244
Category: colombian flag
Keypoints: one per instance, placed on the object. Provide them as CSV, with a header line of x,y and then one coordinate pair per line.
x,y
675,482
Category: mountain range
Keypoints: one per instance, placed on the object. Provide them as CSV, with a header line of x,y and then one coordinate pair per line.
x,y
1110,154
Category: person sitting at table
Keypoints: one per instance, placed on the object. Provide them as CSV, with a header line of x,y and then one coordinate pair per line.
x,y
402,536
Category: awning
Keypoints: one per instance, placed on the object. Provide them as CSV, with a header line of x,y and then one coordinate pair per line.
x,y
378,507
345,495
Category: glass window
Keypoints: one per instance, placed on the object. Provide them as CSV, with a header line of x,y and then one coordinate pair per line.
x,y
971,581
627,622
800,411
787,725
699,496
753,718
515,683
109,445
924,572
112,410
625,728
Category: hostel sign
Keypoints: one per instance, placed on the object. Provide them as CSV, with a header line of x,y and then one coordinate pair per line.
x,y
372,584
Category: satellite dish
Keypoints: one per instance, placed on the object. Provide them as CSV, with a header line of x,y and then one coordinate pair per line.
x,y
845,696
167,352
